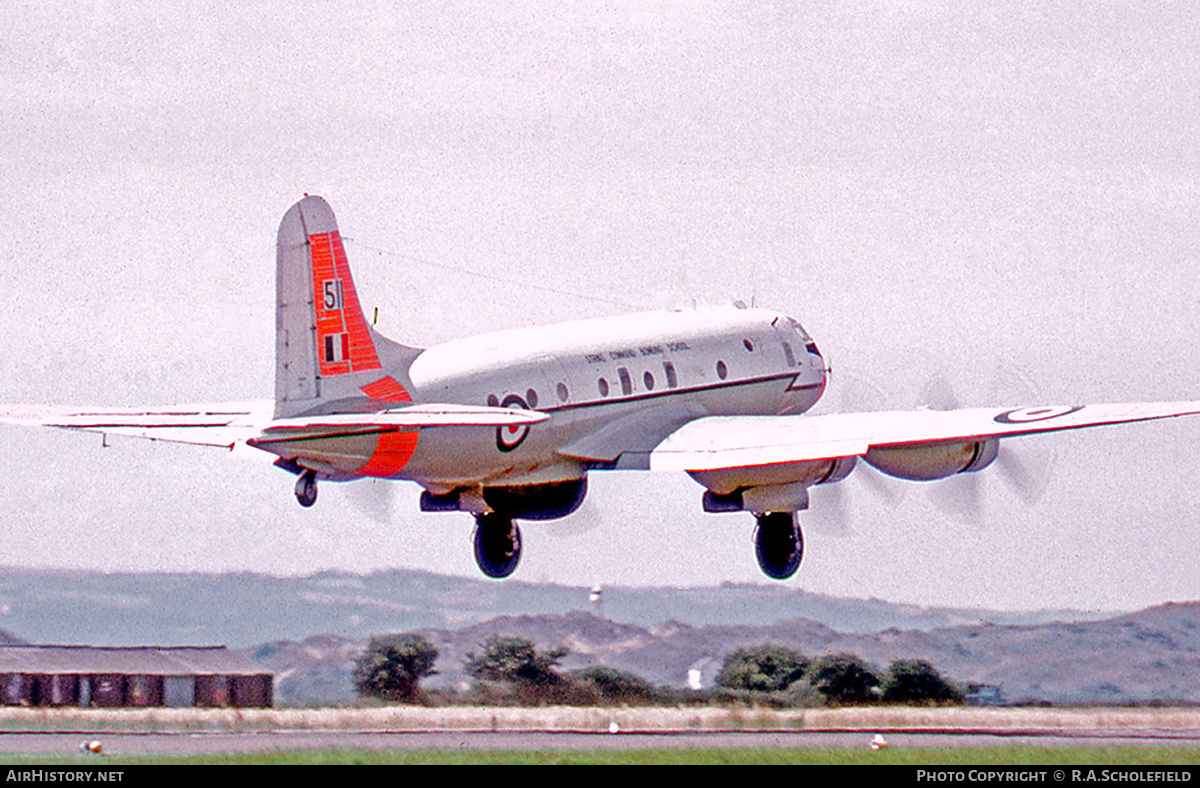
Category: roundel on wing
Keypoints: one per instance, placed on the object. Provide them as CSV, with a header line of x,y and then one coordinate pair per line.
x,y
1029,415
509,438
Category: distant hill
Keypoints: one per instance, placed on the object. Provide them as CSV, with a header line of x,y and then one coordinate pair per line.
x,y
1150,656
309,629
243,609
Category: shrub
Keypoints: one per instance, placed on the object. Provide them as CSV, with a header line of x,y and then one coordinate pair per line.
x,y
763,668
916,681
511,670
613,686
844,679
392,666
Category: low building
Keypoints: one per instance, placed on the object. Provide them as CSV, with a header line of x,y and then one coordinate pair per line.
x,y
983,695
140,676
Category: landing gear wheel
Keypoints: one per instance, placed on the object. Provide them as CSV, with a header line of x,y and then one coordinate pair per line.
x,y
306,489
778,544
497,544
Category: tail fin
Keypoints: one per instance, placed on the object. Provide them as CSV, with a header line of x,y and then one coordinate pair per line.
x,y
327,357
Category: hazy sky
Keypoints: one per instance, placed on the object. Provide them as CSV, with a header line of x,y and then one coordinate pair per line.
x,y
1001,197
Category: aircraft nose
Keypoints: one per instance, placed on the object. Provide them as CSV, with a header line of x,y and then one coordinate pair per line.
x,y
818,362
807,387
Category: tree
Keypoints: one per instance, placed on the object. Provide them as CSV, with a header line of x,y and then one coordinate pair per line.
x,y
844,679
515,660
763,668
392,666
617,686
916,681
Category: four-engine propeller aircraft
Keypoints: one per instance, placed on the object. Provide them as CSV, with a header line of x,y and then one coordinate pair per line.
x,y
506,426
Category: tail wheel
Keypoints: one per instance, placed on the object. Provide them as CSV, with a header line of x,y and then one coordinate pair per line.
x,y
306,489
497,544
778,544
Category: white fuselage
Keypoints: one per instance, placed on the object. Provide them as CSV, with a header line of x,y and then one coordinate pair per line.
x,y
613,388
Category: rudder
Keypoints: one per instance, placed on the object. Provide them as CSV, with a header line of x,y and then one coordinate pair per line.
x,y
325,351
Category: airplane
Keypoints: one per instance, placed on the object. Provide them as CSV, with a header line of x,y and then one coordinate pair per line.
x,y
506,426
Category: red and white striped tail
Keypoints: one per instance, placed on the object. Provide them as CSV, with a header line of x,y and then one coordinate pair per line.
x,y
343,341
325,350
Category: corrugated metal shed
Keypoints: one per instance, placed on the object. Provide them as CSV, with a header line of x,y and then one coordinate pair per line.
x,y
146,660
131,676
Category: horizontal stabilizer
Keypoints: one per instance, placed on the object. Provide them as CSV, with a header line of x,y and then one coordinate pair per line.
x,y
413,417
224,424
229,424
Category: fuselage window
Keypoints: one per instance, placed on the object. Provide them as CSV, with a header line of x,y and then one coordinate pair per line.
x,y
602,384
562,392
748,345
789,355
626,381
493,401
531,398
672,378
648,380
722,371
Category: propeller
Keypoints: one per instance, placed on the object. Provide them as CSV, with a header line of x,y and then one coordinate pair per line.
x,y
829,508
961,496
938,394
375,498
1027,465
1023,466
371,497
576,525
832,506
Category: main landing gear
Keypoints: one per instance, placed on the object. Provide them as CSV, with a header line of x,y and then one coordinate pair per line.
x,y
778,544
497,544
306,489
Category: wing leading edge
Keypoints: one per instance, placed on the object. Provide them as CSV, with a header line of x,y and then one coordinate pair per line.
x,y
720,442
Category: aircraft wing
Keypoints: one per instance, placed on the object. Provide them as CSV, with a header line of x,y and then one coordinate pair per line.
x,y
229,424
717,442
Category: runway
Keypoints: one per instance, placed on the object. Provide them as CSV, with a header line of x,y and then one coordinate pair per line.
x,y
26,732
191,742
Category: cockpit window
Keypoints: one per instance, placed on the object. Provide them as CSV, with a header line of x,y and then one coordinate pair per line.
x,y
799,329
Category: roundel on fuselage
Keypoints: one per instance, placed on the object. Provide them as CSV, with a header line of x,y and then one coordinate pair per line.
x,y
509,438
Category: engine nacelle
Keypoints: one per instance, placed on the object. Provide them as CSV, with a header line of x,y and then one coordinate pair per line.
x,y
725,481
546,501
782,488
927,462
839,469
